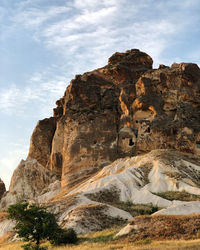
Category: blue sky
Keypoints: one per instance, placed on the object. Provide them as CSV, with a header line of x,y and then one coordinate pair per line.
x,y
44,43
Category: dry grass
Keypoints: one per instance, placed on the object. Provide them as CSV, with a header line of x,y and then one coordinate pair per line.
x,y
165,227
6,237
104,240
151,229
155,245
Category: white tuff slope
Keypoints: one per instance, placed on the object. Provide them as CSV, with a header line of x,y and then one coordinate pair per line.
x,y
135,179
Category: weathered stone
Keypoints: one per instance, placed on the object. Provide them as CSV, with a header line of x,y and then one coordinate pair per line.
x,y
41,140
2,188
29,179
125,109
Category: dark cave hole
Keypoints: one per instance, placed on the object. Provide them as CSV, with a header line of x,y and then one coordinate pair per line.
x,y
148,130
131,143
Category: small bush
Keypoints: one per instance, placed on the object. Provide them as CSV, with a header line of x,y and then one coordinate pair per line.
x,y
64,236
136,209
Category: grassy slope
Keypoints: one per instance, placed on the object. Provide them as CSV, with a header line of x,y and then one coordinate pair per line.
x,y
103,240
182,196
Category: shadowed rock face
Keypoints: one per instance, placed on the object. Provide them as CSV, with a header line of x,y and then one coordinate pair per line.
x,y
2,188
41,140
123,109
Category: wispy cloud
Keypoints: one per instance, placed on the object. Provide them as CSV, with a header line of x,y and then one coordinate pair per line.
x,y
40,90
34,17
93,28
85,33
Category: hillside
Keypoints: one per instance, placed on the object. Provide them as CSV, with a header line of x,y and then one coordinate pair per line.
x,y
124,140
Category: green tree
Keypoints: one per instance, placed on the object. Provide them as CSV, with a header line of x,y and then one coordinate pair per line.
x,y
35,223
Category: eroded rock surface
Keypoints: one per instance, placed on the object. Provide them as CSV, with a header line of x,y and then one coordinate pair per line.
x,y
2,188
124,109
29,180
94,204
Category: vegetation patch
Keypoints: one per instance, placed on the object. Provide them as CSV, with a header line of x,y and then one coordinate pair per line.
x,y
182,196
94,216
105,196
35,224
136,209
165,227
112,197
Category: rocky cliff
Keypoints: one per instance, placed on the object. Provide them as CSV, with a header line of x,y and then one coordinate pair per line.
x,y
96,140
2,188
123,109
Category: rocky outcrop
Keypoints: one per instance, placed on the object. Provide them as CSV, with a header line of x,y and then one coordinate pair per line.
x,y
124,109
2,188
29,180
120,133
41,140
6,227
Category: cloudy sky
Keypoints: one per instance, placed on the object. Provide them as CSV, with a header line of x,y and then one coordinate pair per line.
x,y
44,43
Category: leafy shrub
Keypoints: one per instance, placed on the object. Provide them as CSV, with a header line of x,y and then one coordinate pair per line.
x,y
34,224
64,236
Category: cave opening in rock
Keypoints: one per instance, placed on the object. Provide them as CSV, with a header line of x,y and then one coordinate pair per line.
x,y
148,130
131,142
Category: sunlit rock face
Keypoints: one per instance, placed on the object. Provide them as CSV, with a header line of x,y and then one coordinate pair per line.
x,y
2,188
124,109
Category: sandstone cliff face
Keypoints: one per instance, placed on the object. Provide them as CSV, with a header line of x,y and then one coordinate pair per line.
x,y
123,109
2,188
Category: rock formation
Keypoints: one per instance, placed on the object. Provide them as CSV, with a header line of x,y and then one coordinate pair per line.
x,y
2,188
123,109
29,180
96,140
